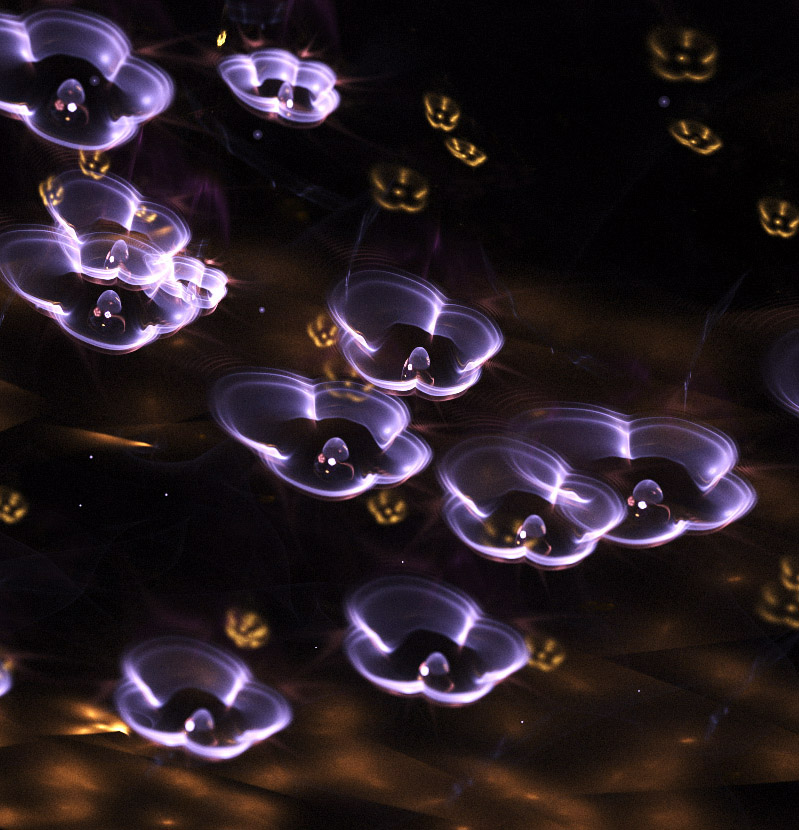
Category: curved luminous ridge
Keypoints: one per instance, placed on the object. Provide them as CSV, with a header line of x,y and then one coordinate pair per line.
x,y
412,636
180,692
71,77
330,439
110,270
275,83
782,373
403,335
675,475
511,501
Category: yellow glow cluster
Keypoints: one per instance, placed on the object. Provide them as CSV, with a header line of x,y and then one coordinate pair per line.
x,y
247,629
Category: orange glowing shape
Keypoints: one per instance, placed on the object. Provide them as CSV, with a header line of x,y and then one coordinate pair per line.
x,y
221,38
94,164
546,653
441,111
387,507
353,386
51,192
779,606
465,151
146,214
789,572
322,331
695,136
681,54
399,188
247,629
778,217
13,506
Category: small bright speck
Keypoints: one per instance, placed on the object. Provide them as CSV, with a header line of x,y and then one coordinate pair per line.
x,y
72,106
642,505
664,101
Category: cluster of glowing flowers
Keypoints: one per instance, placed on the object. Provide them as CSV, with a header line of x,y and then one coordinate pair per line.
x,y
412,636
441,111
399,188
676,476
246,629
401,334
778,217
274,83
779,601
180,692
682,54
13,505
511,500
695,136
71,77
109,272
330,439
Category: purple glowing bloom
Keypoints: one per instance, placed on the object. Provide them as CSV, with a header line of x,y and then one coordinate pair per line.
x,y
401,334
332,439
782,373
412,636
5,678
180,692
275,83
675,475
113,290
510,500
70,76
